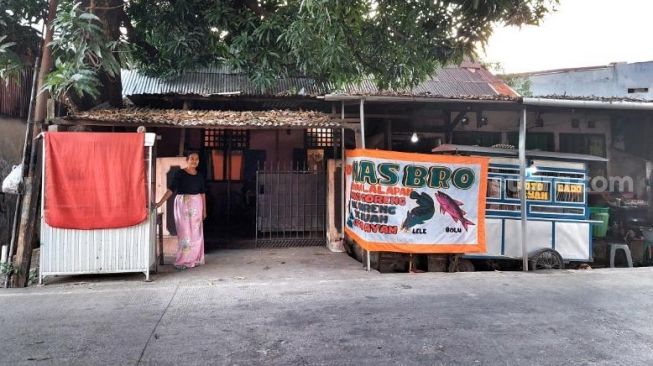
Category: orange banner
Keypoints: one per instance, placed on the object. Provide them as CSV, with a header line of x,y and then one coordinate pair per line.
x,y
416,203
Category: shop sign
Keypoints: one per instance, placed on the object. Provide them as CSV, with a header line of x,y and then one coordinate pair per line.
x,y
416,203
537,191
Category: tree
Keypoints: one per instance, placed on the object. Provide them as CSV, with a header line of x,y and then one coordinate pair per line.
x,y
397,43
519,83
19,39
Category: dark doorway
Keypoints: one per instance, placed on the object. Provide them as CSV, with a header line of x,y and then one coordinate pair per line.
x,y
231,178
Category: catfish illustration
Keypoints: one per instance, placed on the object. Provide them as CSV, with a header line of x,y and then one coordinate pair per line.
x,y
451,206
418,215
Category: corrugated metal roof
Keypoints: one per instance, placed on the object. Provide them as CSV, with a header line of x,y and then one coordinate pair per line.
x,y
215,81
204,118
450,82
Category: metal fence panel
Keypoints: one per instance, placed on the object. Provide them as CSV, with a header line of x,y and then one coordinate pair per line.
x,y
290,206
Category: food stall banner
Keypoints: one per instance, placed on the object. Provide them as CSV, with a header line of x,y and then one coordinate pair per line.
x,y
415,203
94,180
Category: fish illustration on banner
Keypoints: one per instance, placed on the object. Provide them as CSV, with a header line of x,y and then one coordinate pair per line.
x,y
420,214
451,206
415,203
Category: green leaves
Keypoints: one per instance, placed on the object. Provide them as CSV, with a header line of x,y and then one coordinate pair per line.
x,y
67,77
82,50
19,40
395,43
9,62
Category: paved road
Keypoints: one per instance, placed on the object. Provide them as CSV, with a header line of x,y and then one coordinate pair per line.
x,y
595,317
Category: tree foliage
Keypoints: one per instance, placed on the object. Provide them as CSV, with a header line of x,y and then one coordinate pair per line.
x,y
82,50
19,38
519,83
398,43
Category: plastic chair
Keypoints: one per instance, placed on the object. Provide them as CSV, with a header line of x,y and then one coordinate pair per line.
x,y
613,249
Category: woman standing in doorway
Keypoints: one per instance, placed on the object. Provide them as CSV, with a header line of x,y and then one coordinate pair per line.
x,y
189,212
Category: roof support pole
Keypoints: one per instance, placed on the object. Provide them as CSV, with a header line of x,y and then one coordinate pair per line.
x,y
342,174
362,118
522,190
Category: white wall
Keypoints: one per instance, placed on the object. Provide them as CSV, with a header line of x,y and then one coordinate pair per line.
x,y
612,80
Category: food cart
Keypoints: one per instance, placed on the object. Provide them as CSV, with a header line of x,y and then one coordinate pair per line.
x,y
559,226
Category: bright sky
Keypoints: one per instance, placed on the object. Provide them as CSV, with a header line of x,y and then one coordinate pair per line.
x,y
580,33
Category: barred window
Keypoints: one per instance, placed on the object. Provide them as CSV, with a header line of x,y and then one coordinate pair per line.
x,y
220,139
317,138
225,155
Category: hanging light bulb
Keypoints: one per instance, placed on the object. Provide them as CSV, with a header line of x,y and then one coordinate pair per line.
x,y
414,138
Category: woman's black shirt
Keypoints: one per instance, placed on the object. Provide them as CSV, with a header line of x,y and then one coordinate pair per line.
x,y
184,183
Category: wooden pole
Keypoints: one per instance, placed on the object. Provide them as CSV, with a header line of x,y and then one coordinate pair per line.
x,y
26,230
30,204
182,132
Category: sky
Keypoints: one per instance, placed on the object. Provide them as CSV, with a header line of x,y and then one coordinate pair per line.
x,y
580,33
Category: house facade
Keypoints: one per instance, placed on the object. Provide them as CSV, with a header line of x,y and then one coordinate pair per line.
x,y
272,157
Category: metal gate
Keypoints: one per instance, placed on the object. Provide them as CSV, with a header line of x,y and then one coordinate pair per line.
x,y
290,206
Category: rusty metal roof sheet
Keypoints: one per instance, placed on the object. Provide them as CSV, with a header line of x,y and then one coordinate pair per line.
x,y
470,82
205,118
449,82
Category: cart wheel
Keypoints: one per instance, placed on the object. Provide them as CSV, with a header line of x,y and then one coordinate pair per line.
x,y
461,265
546,259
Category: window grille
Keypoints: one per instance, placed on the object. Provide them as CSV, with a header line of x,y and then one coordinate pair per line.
x,y
225,155
317,138
220,138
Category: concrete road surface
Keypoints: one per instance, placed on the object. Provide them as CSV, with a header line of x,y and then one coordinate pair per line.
x,y
311,307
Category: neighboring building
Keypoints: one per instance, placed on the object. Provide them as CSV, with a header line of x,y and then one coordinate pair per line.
x,y
14,103
616,80
620,135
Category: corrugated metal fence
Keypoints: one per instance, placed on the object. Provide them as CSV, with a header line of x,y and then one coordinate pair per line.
x,y
15,94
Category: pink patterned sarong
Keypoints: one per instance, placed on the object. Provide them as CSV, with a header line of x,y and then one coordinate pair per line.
x,y
190,230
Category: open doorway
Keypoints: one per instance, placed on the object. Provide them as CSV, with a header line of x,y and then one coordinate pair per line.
x,y
265,184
